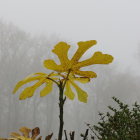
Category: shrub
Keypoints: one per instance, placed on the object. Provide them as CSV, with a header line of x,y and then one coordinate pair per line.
x,y
122,123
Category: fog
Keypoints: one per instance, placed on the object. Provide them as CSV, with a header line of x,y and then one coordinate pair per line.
x,y
21,55
28,32
114,24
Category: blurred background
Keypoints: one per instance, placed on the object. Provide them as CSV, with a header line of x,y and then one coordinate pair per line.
x,y
28,31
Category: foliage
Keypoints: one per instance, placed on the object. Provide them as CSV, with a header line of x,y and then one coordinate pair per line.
x,y
66,71
27,134
64,76
122,124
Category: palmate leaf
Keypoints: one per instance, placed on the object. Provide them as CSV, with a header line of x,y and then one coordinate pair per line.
x,y
42,78
47,89
83,46
29,91
65,67
61,50
68,91
97,58
89,74
30,78
82,95
83,80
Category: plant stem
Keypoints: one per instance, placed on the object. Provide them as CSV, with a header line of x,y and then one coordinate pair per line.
x,y
61,105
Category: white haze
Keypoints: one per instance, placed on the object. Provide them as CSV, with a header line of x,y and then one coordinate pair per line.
x,y
114,24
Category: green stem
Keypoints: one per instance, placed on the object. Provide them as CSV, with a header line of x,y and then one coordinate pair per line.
x,y
66,79
61,106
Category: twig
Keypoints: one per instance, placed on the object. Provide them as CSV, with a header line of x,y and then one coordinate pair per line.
x,y
86,134
49,137
53,81
66,138
66,79
72,135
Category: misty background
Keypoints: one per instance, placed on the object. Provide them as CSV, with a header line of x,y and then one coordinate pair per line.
x,y
29,30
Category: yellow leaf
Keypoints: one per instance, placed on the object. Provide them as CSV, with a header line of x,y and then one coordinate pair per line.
x,y
83,47
82,79
27,80
97,58
61,50
89,74
20,138
53,74
14,134
82,95
38,73
47,89
29,91
50,64
25,131
68,91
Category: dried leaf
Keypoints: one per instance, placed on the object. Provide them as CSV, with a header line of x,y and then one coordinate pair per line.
x,y
35,132
39,138
49,136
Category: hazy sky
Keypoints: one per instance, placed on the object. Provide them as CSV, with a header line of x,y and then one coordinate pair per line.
x,y
115,24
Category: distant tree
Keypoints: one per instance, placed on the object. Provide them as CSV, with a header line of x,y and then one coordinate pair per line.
x,y
21,54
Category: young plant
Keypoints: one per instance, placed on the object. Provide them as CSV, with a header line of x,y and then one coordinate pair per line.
x,y
64,75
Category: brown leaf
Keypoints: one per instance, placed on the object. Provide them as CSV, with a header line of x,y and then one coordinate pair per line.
x,y
35,132
39,138
49,137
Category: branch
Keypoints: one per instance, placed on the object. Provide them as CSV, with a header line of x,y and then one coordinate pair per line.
x,y
65,135
72,135
53,80
86,134
66,79
64,99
